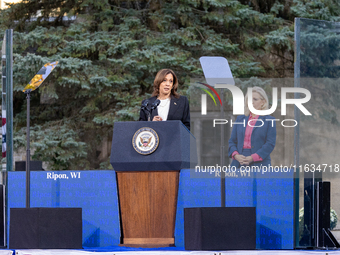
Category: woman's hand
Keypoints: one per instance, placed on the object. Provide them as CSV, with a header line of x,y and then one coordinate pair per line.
x,y
157,118
243,159
248,160
240,158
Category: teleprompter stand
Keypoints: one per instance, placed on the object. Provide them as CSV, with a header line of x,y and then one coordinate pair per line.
x,y
43,228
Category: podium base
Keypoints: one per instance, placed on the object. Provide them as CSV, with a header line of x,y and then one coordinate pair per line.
x,y
147,202
148,242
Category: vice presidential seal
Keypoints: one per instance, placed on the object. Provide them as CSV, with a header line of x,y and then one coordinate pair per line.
x,y
145,141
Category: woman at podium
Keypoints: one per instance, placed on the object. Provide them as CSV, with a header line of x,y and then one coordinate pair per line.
x,y
166,103
253,137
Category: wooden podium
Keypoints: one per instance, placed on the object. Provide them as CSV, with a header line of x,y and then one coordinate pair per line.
x,y
148,207
148,184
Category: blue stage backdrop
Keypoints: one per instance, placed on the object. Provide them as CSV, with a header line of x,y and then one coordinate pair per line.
x,y
272,195
96,193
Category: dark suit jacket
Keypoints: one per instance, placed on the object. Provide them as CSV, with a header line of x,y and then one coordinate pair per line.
x,y
263,138
179,110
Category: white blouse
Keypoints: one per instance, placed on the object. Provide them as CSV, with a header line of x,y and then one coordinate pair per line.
x,y
163,108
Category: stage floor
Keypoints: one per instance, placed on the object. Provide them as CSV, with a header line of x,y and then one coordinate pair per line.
x,y
168,252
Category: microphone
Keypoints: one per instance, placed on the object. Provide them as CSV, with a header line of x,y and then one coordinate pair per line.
x,y
144,104
145,109
155,104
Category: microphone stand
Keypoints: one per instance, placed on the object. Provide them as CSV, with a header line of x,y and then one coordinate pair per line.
x,y
154,105
148,114
144,108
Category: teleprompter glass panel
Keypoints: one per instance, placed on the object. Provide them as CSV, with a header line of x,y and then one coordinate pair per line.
x,y
317,138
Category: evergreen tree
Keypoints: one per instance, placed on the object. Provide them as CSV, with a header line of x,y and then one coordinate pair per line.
x,y
109,52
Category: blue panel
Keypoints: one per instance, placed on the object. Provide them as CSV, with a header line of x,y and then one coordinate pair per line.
x,y
194,192
275,213
94,191
239,192
272,195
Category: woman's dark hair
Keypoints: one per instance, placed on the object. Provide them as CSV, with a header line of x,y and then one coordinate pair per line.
x,y
160,78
